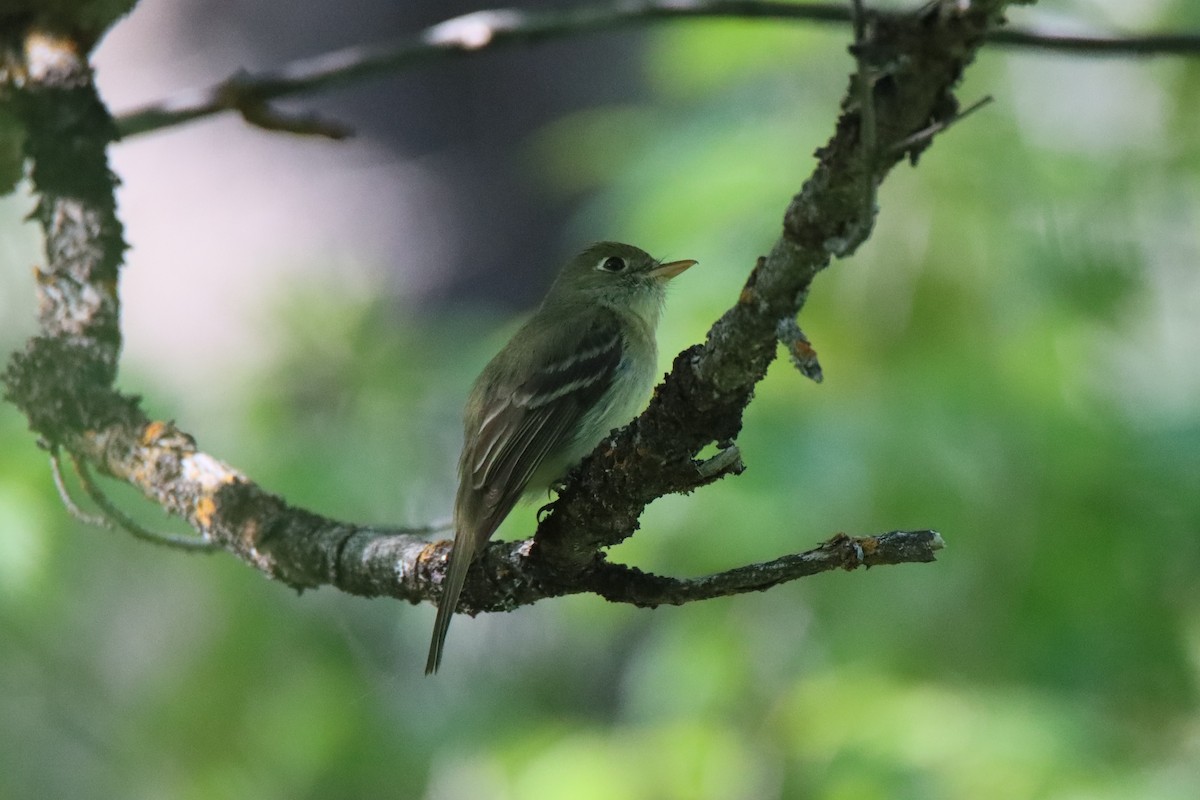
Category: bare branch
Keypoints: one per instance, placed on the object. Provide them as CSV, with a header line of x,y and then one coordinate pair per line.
x,y
921,138
1141,45
799,349
727,462
621,584
261,114
65,495
485,30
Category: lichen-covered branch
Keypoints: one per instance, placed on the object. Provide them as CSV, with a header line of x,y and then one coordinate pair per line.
x,y
64,378
622,584
917,61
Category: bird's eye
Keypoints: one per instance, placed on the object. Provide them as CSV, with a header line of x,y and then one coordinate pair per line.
x,y
612,264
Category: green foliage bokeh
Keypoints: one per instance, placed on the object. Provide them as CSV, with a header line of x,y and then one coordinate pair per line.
x,y
1011,359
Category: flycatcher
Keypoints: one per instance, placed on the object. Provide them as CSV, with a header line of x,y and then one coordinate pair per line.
x,y
582,365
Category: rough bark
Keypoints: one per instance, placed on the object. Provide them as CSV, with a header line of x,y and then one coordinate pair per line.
x,y
64,378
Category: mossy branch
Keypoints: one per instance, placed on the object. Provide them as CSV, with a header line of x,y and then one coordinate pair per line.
x,y
64,378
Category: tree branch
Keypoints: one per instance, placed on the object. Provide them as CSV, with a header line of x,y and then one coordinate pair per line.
x,y
621,584
916,60
63,380
250,94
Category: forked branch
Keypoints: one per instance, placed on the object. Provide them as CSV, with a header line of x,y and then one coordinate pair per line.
x,y
63,379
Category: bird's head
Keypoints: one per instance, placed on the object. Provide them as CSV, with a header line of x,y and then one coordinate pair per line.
x,y
618,275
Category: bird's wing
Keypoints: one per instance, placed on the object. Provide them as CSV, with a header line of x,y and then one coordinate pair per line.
x,y
518,425
522,424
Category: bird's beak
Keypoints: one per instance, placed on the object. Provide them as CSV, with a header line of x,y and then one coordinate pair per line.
x,y
671,268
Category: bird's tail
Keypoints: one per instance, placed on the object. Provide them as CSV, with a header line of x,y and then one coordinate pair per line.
x,y
456,574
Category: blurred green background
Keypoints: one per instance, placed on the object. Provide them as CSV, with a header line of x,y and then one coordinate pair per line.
x,y
1012,359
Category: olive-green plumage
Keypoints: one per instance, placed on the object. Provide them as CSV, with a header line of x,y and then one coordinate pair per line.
x,y
582,365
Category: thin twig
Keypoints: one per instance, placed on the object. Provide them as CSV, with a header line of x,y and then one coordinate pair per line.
x,y
485,30
927,133
118,519
261,114
728,461
65,495
799,349
1142,45
113,518
623,584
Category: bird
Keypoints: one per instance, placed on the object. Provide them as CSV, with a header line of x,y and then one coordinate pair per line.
x,y
583,364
